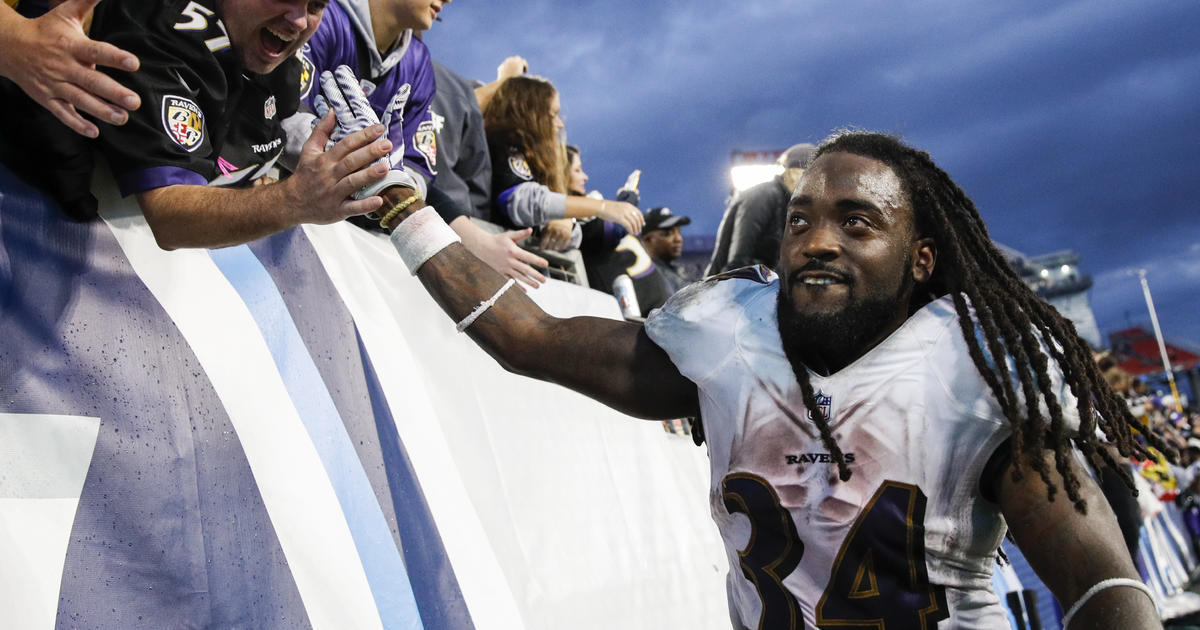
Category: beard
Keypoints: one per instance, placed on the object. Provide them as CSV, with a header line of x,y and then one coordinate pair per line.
x,y
840,337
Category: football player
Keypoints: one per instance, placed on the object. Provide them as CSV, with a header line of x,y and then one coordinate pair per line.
x,y
876,415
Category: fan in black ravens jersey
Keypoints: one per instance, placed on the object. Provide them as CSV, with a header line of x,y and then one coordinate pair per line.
x,y
216,79
876,415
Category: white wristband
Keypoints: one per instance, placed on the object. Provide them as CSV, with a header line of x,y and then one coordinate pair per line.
x,y
483,306
420,236
1100,586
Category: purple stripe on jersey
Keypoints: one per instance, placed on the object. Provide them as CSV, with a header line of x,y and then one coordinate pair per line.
x,y
157,177
613,233
502,200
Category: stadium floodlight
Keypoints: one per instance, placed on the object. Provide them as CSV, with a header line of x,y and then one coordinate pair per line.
x,y
744,176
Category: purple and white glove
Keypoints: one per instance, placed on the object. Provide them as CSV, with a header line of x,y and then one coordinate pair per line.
x,y
342,94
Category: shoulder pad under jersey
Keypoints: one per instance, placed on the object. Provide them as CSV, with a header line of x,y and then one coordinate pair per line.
x,y
758,273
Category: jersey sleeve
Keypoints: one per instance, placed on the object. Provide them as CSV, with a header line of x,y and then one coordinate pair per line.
x,y
167,140
517,198
695,327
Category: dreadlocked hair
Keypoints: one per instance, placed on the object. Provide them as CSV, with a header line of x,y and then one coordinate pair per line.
x,y
1011,333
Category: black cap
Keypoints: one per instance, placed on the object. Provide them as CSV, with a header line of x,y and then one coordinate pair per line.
x,y
797,156
660,218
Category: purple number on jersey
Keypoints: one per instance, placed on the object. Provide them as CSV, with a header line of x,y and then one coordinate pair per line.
x,y
879,579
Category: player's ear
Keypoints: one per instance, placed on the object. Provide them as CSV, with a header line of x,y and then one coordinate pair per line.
x,y
924,258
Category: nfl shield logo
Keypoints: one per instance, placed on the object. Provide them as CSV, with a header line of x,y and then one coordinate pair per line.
x,y
183,122
823,403
269,107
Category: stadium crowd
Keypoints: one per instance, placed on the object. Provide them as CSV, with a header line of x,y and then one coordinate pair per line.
x,y
232,121
233,111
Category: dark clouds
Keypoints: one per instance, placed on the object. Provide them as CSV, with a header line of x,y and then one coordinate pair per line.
x,y
1072,126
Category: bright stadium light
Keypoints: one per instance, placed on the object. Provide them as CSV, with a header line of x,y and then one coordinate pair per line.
x,y
744,176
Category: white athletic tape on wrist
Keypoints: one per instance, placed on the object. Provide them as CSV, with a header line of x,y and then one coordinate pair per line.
x,y
420,236
483,306
1100,586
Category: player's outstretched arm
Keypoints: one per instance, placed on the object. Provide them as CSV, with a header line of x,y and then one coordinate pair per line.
x,y
1073,552
318,192
611,361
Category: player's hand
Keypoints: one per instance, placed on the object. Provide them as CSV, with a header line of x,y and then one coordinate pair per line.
x,y
556,235
320,190
500,252
513,66
625,214
54,62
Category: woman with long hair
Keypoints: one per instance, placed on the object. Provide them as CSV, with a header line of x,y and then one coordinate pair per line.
x,y
529,183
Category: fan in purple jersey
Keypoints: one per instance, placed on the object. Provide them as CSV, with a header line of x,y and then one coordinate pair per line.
x,y
378,44
877,415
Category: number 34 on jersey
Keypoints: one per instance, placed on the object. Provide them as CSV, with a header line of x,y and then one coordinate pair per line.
x,y
878,579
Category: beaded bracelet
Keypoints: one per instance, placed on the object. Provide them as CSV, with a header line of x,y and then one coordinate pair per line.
x,y
397,209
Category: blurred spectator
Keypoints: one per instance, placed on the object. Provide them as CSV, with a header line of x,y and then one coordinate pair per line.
x,y
465,173
577,179
752,227
511,67
663,239
49,56
376,40
528,166
601,239
217,77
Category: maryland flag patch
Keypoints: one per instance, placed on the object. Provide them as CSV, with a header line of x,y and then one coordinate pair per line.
x,y
425,140
308,71
518,165
183,121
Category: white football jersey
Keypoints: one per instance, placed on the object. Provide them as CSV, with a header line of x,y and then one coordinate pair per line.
x,y
908,542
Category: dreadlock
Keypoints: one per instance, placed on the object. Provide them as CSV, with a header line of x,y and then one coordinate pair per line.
x,y
993,303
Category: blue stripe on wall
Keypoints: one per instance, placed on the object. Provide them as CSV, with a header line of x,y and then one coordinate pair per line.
x,y
333,340
441,600
382,563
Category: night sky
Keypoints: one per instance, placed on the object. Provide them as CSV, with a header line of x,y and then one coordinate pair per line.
x,y
1072,125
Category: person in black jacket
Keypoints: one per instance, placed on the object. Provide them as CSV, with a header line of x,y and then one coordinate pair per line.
x,y
752,226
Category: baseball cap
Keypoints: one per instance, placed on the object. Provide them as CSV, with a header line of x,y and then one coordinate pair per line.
x,y
661,218
797,155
